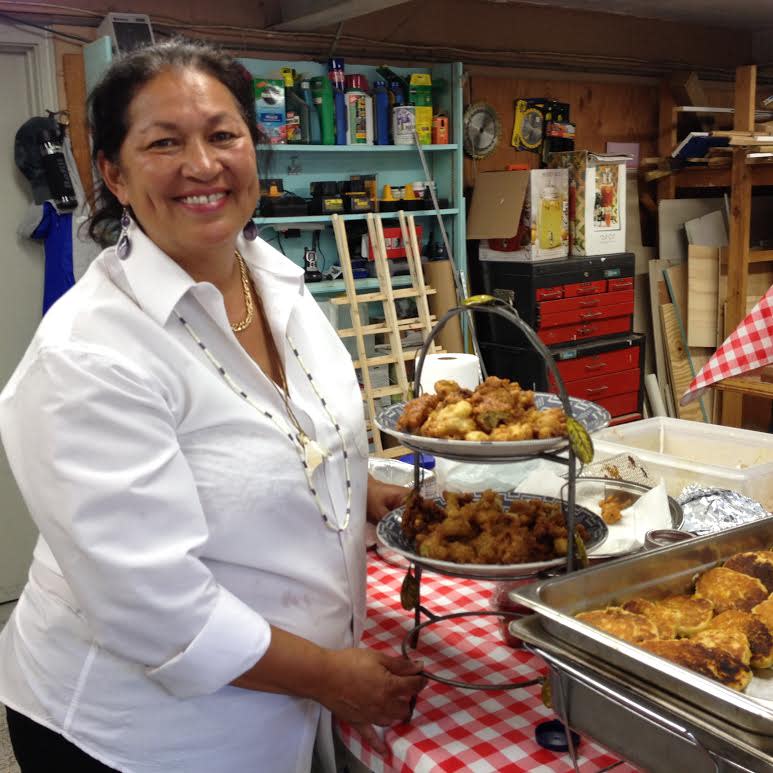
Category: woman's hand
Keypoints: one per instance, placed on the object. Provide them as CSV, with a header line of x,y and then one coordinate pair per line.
x,y
366,687
382,498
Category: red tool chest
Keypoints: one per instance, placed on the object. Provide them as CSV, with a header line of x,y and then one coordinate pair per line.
x,y
582,309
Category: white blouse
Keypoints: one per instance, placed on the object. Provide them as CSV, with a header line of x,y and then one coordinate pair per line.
x,y
176,520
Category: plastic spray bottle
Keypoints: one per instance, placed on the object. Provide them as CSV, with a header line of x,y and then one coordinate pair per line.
x,y
381,111
322,90
359,111
296,111
315,132
335,72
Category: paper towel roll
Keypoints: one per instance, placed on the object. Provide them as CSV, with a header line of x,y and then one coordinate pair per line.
x,y
462,368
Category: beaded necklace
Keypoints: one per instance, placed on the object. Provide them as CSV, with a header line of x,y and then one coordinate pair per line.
x,y
311,454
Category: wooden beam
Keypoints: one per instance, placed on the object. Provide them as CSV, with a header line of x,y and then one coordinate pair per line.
x,y
745,386
306,15
745,97
738,241
75,90
666,137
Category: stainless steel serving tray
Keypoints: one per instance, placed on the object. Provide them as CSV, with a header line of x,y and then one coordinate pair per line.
x,y
642,723
652,574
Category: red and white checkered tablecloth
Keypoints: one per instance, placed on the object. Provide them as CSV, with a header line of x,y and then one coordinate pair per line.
x,y
454,729
748,347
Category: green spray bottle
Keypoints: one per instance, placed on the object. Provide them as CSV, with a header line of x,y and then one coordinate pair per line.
x,y
322,90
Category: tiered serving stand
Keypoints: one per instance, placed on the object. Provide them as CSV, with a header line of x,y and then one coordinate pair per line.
x,y
578,446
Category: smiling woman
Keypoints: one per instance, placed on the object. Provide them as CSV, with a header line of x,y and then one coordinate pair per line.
x,y
187,432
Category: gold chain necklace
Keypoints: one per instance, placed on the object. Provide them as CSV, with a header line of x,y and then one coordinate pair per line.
x,y
237,327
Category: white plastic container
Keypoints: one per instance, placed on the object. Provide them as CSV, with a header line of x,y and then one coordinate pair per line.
x,y
684,452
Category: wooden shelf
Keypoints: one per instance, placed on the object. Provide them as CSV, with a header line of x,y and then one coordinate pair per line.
x,y
760,256
745,386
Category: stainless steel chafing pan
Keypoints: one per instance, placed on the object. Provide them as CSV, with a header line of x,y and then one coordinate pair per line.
x,y
641,723
651,575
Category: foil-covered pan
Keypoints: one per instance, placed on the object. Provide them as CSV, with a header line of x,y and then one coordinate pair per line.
x,y
642,723
669,570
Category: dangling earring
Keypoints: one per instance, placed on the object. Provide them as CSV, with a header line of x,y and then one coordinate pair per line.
x,y
250,231
124,246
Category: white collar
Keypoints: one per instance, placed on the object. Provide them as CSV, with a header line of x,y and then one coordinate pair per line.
x,y
158,283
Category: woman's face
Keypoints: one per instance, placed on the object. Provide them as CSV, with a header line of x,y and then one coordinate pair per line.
x,y
187,165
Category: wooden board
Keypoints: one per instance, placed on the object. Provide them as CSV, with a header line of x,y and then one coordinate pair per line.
x,y
75,87
697,357
678,363
659,295
672,215
703,284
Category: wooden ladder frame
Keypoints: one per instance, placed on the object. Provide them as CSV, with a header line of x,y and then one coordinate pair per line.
x,y
392,325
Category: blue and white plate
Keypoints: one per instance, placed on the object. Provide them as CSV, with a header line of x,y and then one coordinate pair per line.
x,y
390,534
592,416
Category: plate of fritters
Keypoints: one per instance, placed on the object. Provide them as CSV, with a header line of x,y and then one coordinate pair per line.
x,y
486,535
496,421
723,630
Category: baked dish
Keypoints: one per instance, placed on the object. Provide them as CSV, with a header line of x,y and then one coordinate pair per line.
x,y
498,409
723,631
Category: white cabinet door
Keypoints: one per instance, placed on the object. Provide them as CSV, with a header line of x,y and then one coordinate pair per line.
x,y
26,89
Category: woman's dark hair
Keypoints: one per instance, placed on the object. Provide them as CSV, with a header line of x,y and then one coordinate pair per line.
x,y
108,108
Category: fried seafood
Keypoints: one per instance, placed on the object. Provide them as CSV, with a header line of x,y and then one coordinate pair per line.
x,y
629,626
757,633
470,531
612,506
498,409
757,563
712,662
728,589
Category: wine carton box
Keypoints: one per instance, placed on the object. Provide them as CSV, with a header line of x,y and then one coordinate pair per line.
x,y
521,215
596,201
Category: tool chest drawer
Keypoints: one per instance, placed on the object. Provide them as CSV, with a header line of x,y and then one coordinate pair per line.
x,y
584,330
585,303
544,290
602,386
608,372
571,316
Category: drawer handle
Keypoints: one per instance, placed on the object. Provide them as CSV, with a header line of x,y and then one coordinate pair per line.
x,y
591,314
592,392
590,303
549,294
585,329
586,290
595,366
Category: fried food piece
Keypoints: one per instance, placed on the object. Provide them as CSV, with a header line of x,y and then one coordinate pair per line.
x,y
690,614
731,641
728,589
760,639
416,412
547,423
613,504
757,563
711,662
662,617
452,421
450,392
764,611
498,409
618,622
419,515
481,531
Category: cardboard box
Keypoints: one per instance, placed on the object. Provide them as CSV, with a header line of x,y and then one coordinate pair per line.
x,y
596,201
522,214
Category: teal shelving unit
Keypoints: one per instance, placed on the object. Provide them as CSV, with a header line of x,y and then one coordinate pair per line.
x,y
299,165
